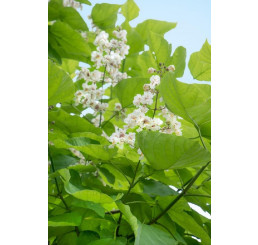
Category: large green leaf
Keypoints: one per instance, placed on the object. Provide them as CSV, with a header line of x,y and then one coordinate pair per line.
x,y
56,11
60,85
71,124
66,219
200,63
105,15
157,26
149,235
190,101
130,10
165,151
87,195
68,42
128,88
178,60
160,46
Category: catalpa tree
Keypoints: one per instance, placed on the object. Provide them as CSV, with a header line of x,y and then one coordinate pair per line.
x,y
129,144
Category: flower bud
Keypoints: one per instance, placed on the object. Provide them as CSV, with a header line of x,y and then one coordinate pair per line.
x,y
171,68
146,87
151,70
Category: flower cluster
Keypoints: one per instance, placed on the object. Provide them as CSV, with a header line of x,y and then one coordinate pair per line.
x,y
108,56
120,137
139,119
72,3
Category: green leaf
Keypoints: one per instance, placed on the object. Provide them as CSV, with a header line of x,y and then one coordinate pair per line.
x,y
128,88
105,15
132,220
71,124
188,223
70,66
84,1
200,63
139,64
130,10
107,241
87,195
160,46
68,42
149,235
157,26
66,219
68,239
190,101
83,168
53,55
86,237
101,152
56,11
178,60
154,188
165,151
60,85
80,141
96,207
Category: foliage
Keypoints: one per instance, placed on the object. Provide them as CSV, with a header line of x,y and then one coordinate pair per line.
x,y
129,144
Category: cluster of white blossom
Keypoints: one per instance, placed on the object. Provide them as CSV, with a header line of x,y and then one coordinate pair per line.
x,y
120,137
72,3
139,120
108,56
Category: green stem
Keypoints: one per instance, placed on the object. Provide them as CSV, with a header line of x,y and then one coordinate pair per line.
x,y
156,102
184,191
101,100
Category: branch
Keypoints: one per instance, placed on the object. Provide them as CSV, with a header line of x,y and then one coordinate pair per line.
x,y
184,191
113,212
58,190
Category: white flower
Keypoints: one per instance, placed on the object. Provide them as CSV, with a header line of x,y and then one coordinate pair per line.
x,y
97,58
96,120
118,106
171,68
137,100
147,98
96,76
101,39
154,81
151,70
120,137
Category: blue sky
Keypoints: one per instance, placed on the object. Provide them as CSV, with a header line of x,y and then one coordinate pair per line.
x,y
193,19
